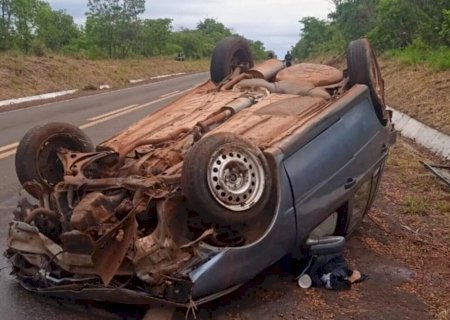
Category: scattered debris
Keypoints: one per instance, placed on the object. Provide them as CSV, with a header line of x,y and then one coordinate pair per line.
x,y
443,172
104,87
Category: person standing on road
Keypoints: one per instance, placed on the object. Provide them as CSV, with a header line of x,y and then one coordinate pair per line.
x,y
288,59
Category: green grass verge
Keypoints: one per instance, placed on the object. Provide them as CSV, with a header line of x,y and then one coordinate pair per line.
x,y
437,59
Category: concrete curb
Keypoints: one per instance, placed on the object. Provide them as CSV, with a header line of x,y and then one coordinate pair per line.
x,y
52,95
36,98
422,134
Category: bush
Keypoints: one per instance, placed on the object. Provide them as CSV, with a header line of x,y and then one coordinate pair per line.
x,y
38,48
419,53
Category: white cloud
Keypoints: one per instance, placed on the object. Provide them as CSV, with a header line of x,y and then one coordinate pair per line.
x,y
274,22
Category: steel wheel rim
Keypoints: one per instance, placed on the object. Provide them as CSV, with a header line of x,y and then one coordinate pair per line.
x,y
235,177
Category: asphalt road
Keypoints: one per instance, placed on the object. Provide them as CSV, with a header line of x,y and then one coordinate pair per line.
x,y
100,116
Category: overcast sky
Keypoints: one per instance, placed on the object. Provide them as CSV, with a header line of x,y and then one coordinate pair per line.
x,y
274,22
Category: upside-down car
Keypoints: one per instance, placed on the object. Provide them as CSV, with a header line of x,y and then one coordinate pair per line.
x,y
199,197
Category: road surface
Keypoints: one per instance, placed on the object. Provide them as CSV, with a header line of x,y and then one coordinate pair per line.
x,y
100,116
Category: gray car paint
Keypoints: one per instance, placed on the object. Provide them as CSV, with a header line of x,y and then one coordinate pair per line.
x,y
311,186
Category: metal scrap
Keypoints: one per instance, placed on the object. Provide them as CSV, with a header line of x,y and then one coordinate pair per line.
x,y
442,172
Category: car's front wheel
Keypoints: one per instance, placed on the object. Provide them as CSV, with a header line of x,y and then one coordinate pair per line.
x,y
226,178
36,157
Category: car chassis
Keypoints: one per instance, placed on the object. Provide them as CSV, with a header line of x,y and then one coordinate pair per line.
x,y
197,198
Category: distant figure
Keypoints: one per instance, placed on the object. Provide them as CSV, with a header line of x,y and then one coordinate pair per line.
x,y
288,59
180,56
270,55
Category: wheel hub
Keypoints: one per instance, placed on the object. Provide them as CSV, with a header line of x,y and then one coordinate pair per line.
x,y
235,177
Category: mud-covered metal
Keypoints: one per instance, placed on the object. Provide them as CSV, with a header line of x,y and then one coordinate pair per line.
x,y
119,222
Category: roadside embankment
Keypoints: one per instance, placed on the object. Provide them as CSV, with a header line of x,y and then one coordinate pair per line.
x,y
26,75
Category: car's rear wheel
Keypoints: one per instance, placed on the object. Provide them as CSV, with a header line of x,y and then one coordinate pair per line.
x,y
36,157
226,178
363,68
229,53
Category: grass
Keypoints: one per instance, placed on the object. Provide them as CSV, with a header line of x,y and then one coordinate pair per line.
x,y
418,191
415,205
22,75
436,59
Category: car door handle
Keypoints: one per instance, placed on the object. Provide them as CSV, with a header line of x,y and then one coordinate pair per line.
x,y
350,183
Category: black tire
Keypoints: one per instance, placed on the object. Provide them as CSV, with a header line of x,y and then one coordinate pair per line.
x,y
363,68
226,179
228,54
36,156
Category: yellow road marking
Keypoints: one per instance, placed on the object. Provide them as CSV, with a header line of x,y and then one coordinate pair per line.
x,y
9,146
112,112
11,149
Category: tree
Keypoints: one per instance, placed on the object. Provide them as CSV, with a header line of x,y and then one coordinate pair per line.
x,y
113,24
315,34
24,14
399,23
213,30
193,43
258,50
55,29
355,18
155,36
5,24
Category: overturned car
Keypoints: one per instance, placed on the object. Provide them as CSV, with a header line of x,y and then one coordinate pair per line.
x,y
200,196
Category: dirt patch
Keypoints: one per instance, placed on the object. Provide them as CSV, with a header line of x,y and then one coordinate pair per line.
x,y
25,75
418,91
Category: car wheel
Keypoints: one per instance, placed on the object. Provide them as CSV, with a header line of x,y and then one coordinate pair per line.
x,y
363,68
36,156
226,178
229,53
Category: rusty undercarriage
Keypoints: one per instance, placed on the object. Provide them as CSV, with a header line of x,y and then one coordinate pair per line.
x,y
119,217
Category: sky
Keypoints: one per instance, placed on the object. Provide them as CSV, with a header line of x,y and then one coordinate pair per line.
x,y
274,22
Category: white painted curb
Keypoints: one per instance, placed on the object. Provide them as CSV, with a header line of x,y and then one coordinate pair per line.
x,y
424,135
52,95
38,97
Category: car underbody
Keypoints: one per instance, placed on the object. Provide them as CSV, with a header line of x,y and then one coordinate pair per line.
x,y
117,223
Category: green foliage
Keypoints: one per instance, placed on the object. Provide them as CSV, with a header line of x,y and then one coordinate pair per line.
x,y
113,29
55,29
213,30
415,31
258,50
113,25
445,28
419,53
24,14
317,37
155,36
355,18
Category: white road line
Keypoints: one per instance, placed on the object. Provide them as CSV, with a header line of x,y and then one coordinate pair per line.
x,y
9,146
6,151
112,112
101,94
7,154
169,94
128,110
